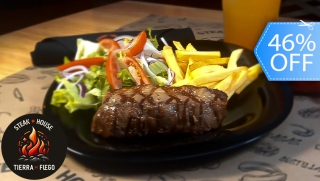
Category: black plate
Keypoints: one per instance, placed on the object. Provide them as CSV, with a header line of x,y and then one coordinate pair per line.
x,y
260,108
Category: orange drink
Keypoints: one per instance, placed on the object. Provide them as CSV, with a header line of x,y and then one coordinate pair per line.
x,y
245,20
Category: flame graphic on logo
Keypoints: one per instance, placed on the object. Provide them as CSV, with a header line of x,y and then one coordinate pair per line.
x,y
34,144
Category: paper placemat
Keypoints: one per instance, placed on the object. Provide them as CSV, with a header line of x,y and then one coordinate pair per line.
x,y
290,152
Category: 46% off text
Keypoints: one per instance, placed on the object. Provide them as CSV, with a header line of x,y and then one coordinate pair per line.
x,y
288,45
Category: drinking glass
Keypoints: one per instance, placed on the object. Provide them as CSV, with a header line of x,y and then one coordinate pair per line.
x,y
245,20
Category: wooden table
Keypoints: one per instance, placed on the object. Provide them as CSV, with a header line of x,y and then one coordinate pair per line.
x,y
15,47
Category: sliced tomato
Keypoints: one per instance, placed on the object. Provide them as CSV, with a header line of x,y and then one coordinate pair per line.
x,y
132,62
137,44
134,74
112,69
109,44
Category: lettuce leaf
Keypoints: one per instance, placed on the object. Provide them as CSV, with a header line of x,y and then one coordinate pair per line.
x,y
71,99
87,49
158,69
154,40
69,96
126,78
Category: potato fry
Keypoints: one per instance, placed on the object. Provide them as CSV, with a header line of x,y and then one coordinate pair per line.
x,y
205,69
196,65
205,57
178,45
253,73
198,55
255,68
183,66
210,85
243,86
216,61
188,72
183,57
190,48
225,83
181,83
235,55
214,76
237,82
172,63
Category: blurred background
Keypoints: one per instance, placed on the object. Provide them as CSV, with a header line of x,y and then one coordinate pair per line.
x,y
18,14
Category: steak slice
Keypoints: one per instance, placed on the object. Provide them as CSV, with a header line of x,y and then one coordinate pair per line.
x,y
154,110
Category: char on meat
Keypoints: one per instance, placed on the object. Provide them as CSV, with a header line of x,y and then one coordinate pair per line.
x,y
154,110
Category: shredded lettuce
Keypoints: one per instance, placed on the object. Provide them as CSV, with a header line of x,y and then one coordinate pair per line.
x,y
161,81
88,49
158,69
96,85
154,40
96,78
71,99
126,78
66,60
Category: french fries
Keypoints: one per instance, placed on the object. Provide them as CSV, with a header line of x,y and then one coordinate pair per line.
x,y
198,56
178,45
172,62
190,48
208,68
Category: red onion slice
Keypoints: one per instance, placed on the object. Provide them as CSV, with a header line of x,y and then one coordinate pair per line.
x,y
145,64
164,41
120,40
171,76
74,68
150,49
70,76
82,90
122,37
151,59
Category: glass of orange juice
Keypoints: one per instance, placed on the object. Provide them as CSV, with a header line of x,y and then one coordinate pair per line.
x,y
245,20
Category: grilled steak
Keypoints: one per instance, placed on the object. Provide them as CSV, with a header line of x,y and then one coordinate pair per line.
x,y
153,110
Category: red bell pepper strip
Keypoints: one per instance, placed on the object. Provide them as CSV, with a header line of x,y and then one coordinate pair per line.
x,y
88,62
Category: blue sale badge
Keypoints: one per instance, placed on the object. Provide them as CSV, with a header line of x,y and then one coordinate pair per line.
x,y
290,51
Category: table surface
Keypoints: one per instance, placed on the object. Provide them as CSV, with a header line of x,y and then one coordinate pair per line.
x,y
15,47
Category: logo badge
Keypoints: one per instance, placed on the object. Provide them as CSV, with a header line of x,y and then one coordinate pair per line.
x,y
34,146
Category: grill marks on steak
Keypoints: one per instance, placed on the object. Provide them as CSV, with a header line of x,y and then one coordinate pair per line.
x,y
153,110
